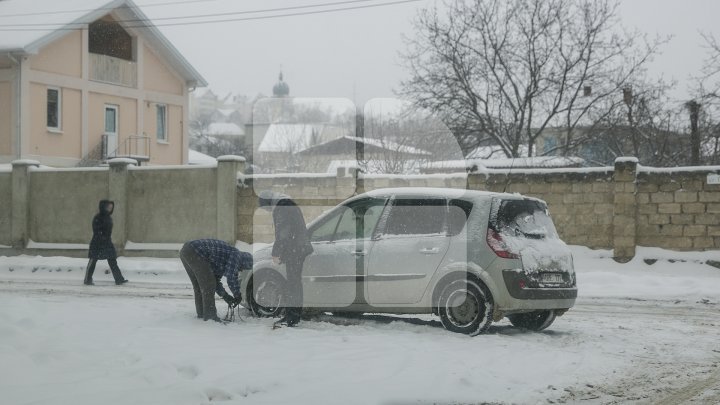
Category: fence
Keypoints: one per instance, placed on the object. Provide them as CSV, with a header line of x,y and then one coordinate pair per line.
x,y
48,211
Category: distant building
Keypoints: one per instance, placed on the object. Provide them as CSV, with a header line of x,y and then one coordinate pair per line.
x,y
94,87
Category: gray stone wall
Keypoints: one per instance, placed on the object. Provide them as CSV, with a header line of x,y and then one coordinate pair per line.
x,y
63,202
618,207
5,208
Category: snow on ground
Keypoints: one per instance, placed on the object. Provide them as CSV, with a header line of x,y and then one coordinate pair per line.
x,y
639,334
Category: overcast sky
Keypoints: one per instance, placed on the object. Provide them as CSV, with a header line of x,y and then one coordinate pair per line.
x,y
354,53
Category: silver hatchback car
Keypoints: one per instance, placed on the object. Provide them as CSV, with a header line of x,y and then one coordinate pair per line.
x,y
470,257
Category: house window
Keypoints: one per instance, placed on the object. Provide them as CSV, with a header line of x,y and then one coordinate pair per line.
x,y
161,118
54,101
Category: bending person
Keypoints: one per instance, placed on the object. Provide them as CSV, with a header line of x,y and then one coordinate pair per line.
x,y
206,261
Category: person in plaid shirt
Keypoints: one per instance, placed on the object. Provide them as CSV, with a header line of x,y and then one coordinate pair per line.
x,y
206,262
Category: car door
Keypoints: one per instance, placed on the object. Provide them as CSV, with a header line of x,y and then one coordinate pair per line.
x,y
333,274
407,251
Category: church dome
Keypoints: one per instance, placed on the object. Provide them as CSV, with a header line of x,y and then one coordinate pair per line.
x,y
281,89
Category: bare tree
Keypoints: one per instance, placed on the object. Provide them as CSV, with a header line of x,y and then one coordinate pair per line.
x,y
706,93
502,71
646,123
401,143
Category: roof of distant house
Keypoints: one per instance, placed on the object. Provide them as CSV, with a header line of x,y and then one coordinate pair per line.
x,y
57,18
199,158
225,128
289,137
505,163
374,144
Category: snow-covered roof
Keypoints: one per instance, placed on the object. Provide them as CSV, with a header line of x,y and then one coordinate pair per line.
x,y
373,166
225,128
517,163
390,145
199,158
27,26
289,137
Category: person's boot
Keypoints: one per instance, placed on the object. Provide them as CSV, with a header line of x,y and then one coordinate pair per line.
x,y
89,270
117,275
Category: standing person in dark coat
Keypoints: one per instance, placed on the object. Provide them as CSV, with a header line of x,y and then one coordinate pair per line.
x,y
206,261
101,246
291,247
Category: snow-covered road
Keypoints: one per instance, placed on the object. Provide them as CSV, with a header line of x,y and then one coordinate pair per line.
x,y
639,334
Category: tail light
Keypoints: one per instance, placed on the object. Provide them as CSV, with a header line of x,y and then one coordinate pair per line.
x,y
498,245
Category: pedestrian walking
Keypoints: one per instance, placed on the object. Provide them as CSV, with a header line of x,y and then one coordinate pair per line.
x,y
291,247
206,261
101,246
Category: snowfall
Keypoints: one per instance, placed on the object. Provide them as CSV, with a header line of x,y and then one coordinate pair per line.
x,y
641,332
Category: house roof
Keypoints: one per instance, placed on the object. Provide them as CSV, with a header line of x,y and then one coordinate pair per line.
x,y
289,137
225,128
199,158
27,26
516,163
371,145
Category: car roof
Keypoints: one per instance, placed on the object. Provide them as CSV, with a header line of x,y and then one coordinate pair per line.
x,y
454,193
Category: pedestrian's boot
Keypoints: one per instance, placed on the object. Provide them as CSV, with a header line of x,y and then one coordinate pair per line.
x,y
89,270
117,275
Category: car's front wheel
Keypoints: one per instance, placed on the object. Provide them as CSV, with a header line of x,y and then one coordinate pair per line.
x,y
466,306
265,294
535,321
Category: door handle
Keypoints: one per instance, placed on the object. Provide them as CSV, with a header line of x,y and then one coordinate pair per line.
x,y
430,251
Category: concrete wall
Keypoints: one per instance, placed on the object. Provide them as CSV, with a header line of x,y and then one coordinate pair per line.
x,y
63,202
5,204
171,205
617,208
6,118
49,211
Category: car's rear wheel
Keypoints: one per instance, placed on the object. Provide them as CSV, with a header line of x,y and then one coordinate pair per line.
x,y
265,294
466,306
535,321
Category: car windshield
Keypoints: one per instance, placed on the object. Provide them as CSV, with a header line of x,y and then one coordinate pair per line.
x,y
524,218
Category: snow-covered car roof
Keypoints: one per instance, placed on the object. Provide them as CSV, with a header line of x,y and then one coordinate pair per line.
x,y
439,192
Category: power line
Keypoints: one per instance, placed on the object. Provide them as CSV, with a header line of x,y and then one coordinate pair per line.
x,y
136,20
231,19
168,3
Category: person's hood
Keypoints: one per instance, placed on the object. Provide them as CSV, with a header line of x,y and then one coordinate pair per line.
x,y
268,199
103,203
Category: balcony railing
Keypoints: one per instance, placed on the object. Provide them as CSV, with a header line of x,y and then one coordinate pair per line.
x,y
134,147
108,69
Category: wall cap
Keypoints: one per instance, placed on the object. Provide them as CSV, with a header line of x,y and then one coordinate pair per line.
x,y
122,162
25,162
230,158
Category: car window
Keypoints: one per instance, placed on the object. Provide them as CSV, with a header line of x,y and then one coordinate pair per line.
x,y
417,216
525,218
458,213
370,220
326,230
347,226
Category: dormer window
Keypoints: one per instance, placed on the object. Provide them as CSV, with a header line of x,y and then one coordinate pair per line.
x,y
107,37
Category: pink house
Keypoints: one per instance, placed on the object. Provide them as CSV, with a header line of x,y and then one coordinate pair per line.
x,y
85,80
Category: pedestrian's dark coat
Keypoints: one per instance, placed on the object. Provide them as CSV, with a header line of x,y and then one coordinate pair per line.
x,y
101,246
292,243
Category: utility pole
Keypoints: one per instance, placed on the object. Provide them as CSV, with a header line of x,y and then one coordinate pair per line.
x,y
694,108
